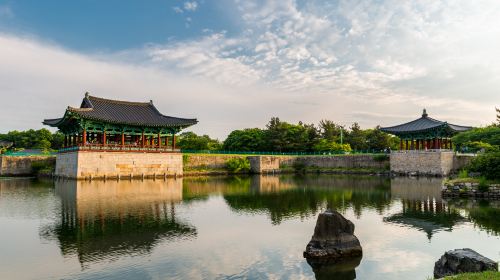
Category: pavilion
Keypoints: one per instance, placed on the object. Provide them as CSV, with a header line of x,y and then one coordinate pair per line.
x,y
107,138
425,133
112,125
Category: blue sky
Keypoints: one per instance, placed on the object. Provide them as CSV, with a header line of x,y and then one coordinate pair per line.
x,y
235,63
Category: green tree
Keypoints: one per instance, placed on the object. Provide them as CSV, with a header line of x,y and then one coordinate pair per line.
x,y
330,131
325,145
249,139
356,137
377,139
489,134
191,141
498,116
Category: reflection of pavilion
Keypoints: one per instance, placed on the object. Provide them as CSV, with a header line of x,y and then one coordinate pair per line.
x,y
422,207
101,220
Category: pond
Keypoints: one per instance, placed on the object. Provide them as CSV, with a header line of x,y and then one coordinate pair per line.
x,y
231,227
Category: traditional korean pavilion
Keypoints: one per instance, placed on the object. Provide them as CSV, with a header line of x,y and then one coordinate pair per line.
x,y
425,133
112,125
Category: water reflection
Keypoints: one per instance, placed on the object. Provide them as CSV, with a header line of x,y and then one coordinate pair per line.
x,y
105,220
422,206
339,270
303,196
484,214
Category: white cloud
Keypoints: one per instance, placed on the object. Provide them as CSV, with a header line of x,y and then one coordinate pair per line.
x,y
348,61
190,6
177,10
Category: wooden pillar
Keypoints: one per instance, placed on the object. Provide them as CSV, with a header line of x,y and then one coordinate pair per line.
x,y
418,144
173,140
400,144
406,145
104,138
84,137
152,141
123,139
143,140
451,145
159,140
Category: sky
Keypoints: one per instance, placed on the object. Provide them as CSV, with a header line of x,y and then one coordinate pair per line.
x,y
234,64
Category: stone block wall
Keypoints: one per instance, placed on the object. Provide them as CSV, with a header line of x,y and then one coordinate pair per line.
x,y
264,164
344,161
88,164
21,166
460,161
208,161
422,162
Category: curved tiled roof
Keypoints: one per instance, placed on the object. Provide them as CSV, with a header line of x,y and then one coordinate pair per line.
x,y
422,124
123,112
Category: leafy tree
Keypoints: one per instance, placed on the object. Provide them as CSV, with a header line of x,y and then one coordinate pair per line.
x,y
377,140
498,116
191,141
249,139
330,131
489,134
488,164
356,137
325,145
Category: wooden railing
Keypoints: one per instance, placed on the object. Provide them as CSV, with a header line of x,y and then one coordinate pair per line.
x,y
119,148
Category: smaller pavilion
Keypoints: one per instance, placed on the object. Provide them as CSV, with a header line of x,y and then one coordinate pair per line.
x,y
425,133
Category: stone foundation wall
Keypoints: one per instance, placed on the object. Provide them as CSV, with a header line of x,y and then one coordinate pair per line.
x,y
423,162
193,162
345,161
460,161
264,164
19,166
87,164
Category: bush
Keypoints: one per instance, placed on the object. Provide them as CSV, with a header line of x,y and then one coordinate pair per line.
x,y
380,158
488,164
483,185
42,167
478,146
238,165
463,174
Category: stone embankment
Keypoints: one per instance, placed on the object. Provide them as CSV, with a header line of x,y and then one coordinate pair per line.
x,y
471,190
23,166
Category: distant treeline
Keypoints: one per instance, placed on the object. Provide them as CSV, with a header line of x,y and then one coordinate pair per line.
x,y
280,136
41,139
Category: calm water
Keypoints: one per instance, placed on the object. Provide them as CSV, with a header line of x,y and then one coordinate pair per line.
x,y
228,228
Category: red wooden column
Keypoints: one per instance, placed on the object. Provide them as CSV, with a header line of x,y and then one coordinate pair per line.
x,y
84,137
159,140
418,144
123,139
104,138
406,142
143,140
400,144
173,142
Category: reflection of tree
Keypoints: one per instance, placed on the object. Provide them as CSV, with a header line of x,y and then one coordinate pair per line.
x,y
106,220
305,196
426,215
484,214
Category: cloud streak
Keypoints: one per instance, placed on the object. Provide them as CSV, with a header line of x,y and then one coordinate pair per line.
x,y
364,61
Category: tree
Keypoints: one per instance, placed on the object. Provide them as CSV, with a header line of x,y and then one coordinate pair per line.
x,y
191,141
498,116
325,145
377,139
489,134
249,139
330,131
356,137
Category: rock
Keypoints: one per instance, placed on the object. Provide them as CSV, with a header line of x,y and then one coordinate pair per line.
x,y
333,239
461,261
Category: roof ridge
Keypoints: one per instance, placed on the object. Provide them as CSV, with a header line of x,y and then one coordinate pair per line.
x,y
118,101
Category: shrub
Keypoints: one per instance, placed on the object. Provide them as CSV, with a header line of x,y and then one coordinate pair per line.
x,y
42,167
463,174
185,159
488,164
483,185
382,157
238,165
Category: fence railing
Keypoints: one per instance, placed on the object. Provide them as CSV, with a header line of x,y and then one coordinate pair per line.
x,y
281,153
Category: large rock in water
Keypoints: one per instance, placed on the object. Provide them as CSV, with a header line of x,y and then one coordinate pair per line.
x,y
461,261
333,239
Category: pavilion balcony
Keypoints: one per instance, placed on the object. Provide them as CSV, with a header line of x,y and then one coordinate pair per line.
x,y
119,148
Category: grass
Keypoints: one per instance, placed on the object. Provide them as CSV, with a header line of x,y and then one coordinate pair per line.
x,y
486,275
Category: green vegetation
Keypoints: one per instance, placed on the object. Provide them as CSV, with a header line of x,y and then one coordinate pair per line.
x,y
238,165
486,275
487,164
41,139
43,167
487,138
463,174
191,141
327,137
483,185
381,157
